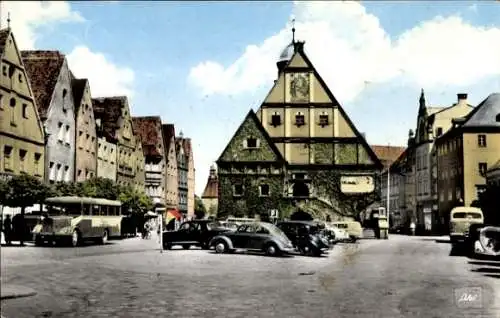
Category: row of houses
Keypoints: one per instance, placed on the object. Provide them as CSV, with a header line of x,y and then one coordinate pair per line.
x,y
449,160
52,128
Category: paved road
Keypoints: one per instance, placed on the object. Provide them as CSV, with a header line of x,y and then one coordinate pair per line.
x,y
399,277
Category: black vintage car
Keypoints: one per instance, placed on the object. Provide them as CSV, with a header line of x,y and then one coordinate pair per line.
x,y
192,233
306,237
258,236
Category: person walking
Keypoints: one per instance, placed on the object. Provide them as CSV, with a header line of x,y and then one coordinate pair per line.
x,y
7,229
412,228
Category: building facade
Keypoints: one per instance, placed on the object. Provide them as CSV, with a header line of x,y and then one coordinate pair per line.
x,y
464,154
171,177
191,182
182,174
150,131
299,130
432,122
139,166
21,132
114,117
106,154
50,81
493,175
86,135
210,194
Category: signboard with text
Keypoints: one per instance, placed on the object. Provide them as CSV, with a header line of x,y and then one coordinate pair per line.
x,y
357,184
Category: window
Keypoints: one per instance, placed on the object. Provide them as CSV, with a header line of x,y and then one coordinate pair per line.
x,y
251,143
1,101
483,167
52,172
60,132
439,131
300,119
38,156
481,141
59,172
323,119
25,111
238,190
11,71
13,111
79,172
66,174
264,190
22,161
276,119
67,135
20,77
7,158
4,70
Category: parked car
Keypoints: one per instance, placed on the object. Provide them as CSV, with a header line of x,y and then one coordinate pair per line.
x,y
340,234
260,236
305,236
353,228
192,233
461,218
486,242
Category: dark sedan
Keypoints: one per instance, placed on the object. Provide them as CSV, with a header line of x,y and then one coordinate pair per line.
x,y
306,237
192,233
259,236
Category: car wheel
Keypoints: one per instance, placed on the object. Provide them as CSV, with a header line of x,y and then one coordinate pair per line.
x,y
104,237
186,246
304,250
272,250
221,247
75,238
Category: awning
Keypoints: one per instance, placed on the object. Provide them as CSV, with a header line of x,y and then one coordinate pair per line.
x,y
172,214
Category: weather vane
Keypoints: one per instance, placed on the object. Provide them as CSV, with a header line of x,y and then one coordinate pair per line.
x,y
293,30
8,20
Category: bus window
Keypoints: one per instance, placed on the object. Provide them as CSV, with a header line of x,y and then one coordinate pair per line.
x,y
86,209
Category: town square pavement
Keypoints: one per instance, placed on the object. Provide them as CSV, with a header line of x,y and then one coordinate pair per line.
x,y
400,277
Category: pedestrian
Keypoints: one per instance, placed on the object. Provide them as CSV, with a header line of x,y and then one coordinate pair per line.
x,y
7,229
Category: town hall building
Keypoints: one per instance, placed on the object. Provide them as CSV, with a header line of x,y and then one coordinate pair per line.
x,y
273,163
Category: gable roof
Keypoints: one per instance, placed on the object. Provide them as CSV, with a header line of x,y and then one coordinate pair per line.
x,y
369,150
252,116
484,115
43,69
109,110
149,130
4,35
78,88
387,154
168,132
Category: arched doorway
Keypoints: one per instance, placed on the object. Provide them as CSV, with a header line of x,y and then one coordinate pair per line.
x,y
301,216
300,189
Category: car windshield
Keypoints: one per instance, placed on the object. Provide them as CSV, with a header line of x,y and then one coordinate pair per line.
x,y
213,225
466,215
313,229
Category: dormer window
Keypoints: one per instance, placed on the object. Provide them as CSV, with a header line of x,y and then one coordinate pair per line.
x,y
323,119
251,143
300,119
275,119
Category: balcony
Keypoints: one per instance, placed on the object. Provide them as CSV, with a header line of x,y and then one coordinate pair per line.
x,y
151,176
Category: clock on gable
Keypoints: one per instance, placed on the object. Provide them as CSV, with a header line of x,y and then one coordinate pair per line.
x,y
299,87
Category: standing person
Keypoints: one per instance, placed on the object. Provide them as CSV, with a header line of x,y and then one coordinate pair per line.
x,y
7,229
412,228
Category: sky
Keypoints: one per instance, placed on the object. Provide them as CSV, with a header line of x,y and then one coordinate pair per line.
x,y
203,65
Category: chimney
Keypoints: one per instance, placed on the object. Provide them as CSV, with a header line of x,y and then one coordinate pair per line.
x,y
462,98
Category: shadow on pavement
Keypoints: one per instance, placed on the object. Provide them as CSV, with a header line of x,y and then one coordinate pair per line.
x,y
486,270
458,250
497,276
251,253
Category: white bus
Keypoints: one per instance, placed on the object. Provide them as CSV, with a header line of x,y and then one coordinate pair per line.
x,y
77,219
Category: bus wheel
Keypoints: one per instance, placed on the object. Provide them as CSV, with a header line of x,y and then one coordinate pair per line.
x,y
75,238
104,238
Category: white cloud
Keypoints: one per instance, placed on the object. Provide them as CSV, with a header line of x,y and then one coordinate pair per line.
x,y
105,78
28,16
350,48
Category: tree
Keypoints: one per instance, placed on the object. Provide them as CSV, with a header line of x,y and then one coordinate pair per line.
x,y
3,191
199,208
101,188
328,188
134,200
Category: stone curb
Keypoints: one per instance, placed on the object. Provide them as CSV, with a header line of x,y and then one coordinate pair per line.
x,y
15,291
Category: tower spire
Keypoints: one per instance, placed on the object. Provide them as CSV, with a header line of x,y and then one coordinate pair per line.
x,y
293,30
8,20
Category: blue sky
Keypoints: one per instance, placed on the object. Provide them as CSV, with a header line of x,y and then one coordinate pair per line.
x,y
191,62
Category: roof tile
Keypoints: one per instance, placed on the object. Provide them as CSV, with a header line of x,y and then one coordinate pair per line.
x,y
387,154
43,68
150,131
168,131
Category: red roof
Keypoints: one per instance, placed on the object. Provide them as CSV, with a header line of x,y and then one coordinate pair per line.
x,y
211,189
42,69
387,154
109,110
150,131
